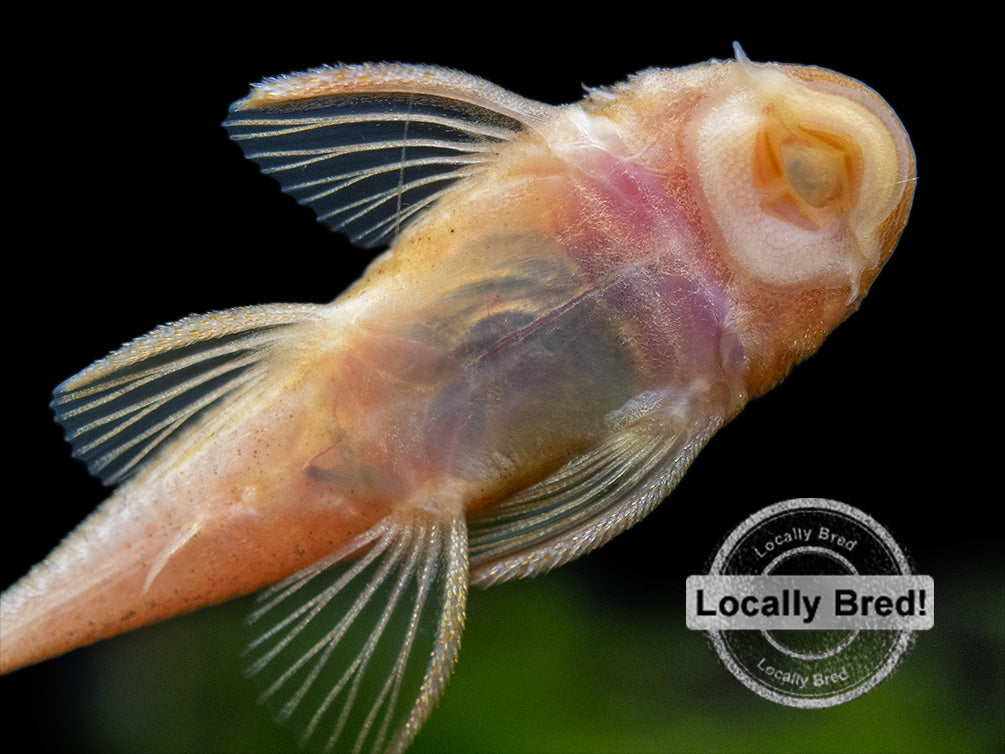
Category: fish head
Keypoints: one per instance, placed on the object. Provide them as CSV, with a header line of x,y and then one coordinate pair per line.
x,y
809,174
807,177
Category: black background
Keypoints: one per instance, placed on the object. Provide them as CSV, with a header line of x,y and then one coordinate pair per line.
x,y
129,207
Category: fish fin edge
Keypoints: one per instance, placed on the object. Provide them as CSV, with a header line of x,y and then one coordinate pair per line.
x,y
354,651
371,147
120,412
589,500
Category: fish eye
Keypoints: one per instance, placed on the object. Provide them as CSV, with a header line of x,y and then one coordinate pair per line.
x,y
805,175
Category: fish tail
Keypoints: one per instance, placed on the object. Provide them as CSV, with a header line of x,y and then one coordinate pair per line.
x,y
137,417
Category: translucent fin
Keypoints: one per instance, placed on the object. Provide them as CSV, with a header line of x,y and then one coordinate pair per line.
x,y
119,411
369,147
589,500
355,650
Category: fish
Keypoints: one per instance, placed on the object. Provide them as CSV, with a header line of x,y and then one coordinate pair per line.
x,y
566,304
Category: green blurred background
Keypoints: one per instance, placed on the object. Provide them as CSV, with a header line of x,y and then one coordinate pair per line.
x,y
134,209
551,666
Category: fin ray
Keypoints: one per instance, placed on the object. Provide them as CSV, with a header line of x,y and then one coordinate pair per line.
x,y
370,147
592,498
354,650
121,410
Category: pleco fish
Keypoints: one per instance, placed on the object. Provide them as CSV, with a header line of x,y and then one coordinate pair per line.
x,y
574,300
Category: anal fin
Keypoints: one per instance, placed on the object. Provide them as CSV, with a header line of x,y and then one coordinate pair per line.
x,y
355,650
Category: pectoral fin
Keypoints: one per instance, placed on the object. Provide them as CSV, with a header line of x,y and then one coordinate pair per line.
x,y
369,147
355,650
594,497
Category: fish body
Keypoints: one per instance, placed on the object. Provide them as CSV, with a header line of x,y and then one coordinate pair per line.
x,y
574,300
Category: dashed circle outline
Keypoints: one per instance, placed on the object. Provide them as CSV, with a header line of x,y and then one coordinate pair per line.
x,y
808,503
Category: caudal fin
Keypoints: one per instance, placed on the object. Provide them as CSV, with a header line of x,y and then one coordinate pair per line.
x,y
146,408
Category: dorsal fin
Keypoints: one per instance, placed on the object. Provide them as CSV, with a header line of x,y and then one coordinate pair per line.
x,y
369,147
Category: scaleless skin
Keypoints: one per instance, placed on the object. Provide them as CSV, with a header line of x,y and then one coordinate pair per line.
x,y
575,299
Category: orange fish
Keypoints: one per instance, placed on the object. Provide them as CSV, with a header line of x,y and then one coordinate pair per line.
x,y
574,300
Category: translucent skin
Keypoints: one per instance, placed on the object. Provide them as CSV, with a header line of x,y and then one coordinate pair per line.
x,y
645,261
